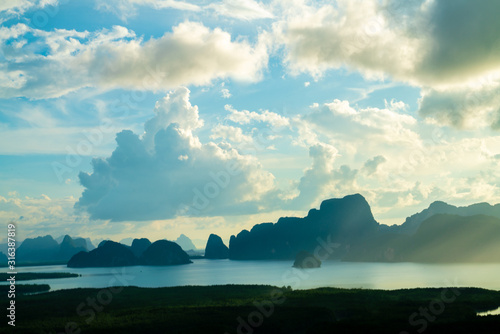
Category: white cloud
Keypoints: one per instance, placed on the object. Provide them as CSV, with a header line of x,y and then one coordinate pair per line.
x,y
170,172
364,127
246,117
108,59
42,215
241,9
136,184
38,215
424,42
15,8
401,165
230,133
13,32
225,93
173,109
352,33
448,48
125,9
443,46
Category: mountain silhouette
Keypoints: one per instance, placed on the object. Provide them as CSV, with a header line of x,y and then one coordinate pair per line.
x,y
215,248
114,254
185,243
345,227
442,238
108,254
103,242
163,252
88,243
70,247
344,221
139,246
453,238
39,249
433,235
46,250
412,223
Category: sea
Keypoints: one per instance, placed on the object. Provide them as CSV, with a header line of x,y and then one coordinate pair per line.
x,y
385,276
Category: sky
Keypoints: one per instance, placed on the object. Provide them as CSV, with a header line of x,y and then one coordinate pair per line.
x,y
152,118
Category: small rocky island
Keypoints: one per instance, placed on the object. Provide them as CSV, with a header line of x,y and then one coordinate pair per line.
x,y
142,252
164,253
306,260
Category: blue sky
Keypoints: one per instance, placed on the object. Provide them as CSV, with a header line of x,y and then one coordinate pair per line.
x,y
154,118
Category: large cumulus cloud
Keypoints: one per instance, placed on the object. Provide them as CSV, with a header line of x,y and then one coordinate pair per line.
x,y
169,172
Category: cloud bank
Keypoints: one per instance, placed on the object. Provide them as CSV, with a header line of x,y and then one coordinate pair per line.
x,y
432,42
445,47
448,48
63,61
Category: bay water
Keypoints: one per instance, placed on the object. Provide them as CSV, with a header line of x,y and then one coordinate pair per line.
x,y
386,276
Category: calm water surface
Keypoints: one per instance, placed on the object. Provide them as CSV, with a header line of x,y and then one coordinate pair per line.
x,y
387,276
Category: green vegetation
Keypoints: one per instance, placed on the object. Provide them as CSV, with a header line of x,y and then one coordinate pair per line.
x,y
222,309
34,276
